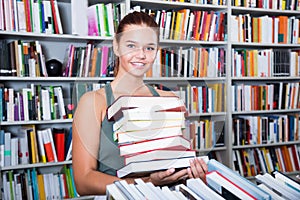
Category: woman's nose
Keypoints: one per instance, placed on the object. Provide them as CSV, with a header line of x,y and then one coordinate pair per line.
x,y
140,53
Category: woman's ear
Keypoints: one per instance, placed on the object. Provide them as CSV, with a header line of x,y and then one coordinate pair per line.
x,y
116,47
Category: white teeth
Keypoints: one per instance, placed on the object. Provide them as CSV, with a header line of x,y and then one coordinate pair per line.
x,y
139,64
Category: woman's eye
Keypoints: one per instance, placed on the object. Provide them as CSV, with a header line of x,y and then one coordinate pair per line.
x,y
130,46
150,48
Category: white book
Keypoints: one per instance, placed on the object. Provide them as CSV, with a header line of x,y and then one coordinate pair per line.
x,y
36,17
45,104
112,192
1,14
79,23
166,190
273,194
48,17
286,180
109,8
219,183
7,149
202,190
148,193
158,155
61,105
14,151
278,186
41,146
187,192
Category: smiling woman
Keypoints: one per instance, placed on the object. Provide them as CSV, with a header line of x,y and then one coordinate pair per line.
x,y
96,156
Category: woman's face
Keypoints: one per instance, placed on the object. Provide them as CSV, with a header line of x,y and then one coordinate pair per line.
x,y
136,49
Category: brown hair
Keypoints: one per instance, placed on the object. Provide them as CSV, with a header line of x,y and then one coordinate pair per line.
x,y
134,18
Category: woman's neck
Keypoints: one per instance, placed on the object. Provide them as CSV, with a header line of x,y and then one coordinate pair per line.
x,y
126,84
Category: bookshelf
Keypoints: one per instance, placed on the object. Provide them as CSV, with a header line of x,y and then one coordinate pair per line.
x,y
57,45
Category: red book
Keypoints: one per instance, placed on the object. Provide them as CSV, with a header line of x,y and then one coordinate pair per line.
x,y
48,150
59,140
56,30
168,143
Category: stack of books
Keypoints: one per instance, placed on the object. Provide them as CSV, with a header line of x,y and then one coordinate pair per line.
x,y
150,132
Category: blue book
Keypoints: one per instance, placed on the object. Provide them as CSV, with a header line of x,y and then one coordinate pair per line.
x,y
247,185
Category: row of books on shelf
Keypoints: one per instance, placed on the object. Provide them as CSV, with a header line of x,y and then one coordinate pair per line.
x,y
187,24
279,29
267,96
221,183
103,19
265,62
205,2
266,129
28,16
29,145
204,99
189,62
88,61
253,161
22,58
206,133
276,5
36,102
30,184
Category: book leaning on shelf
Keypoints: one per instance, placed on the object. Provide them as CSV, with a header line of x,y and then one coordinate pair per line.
x,y
152,135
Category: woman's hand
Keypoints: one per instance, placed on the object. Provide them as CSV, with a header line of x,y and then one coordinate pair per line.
x,y
167,177
198,169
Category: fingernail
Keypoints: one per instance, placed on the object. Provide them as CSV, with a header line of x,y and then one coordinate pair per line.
x,y
172,170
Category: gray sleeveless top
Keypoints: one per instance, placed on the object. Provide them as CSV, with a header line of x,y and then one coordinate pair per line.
x,y
109,159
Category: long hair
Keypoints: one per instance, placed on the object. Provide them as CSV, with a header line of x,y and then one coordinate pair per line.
x,y
134,18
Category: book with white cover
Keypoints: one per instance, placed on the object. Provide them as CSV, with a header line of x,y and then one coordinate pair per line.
x,y
136,136
148,124
202,190
146,167
136,114
159,154
144,103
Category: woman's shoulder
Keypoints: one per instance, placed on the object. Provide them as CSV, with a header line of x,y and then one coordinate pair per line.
x,y
165,93
93,96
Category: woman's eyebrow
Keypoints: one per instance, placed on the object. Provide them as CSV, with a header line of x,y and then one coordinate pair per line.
x,y
132,41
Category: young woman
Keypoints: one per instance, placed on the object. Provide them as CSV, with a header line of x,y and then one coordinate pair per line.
x,y
95,155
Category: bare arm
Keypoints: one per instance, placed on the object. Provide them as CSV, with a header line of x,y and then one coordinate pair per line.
x,y
86,140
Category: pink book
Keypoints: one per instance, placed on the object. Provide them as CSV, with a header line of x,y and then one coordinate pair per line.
x,y
104,60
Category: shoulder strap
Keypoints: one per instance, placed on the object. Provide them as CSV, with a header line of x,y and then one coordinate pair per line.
x,y
153,91
109,94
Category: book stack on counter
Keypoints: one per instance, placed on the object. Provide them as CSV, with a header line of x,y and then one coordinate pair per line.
x,y
221,183
150,134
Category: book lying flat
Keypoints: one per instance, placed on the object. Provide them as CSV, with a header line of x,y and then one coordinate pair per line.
x,y
159,155
136,136
147,125
144,168
145,103
169,143
138,115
